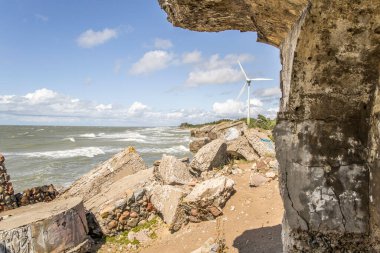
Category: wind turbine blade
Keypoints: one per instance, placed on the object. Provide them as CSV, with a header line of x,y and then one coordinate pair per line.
x,y
241,67
261,79
241,91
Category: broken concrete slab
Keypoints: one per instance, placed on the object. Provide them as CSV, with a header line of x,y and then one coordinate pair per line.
x,y
120,165
57,226
167,200
240,148
260,142
215,191
212,155
125,202
173,171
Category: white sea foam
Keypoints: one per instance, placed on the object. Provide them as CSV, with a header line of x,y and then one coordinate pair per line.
x,y
89,135
72,139
60,154
171,150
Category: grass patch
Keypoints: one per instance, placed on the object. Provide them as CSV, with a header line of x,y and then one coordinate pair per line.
x,y
122,238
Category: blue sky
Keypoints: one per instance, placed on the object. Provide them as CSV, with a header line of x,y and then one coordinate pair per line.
x,y
90,62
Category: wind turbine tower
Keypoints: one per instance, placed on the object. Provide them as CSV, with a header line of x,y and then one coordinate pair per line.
x,y
248,84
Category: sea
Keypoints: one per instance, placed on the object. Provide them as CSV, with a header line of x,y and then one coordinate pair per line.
x,y
39,155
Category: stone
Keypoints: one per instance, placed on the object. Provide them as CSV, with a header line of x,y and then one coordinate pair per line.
x,y
240,148
2,159
120,165
57,226
210,156
215,191
173,171
134,215
132,222
112,224
270,175
167,200
210,246
215,211
256,179
143,236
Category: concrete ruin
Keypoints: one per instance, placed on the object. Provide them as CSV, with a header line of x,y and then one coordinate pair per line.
x,y
328,135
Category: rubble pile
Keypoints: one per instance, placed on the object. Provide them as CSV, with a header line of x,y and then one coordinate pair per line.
x,y
44,193
7,198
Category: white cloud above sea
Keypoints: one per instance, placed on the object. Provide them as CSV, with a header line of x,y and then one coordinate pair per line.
x,y
162,43
152,61
91,38
217,70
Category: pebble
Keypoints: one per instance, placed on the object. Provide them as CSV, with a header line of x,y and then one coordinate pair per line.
x,y
232,208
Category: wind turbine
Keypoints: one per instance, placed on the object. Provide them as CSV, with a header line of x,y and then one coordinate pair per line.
x,y
248,84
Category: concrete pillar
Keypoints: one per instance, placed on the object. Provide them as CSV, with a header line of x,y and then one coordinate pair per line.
x,y
328,129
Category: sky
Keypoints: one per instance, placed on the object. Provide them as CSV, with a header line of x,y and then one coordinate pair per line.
x,y
121,63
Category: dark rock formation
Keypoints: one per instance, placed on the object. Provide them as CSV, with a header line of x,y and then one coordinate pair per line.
x,y
327,133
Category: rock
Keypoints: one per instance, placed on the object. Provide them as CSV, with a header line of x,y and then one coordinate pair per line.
x,y
210,246
197,143
167,199
173,171
133,222
215,211
212,155
215,191
2,159
120,165
240,148
270,175
112,224
256,179
58,226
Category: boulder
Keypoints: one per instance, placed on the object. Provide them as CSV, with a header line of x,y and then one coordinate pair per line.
x,y
120,165
167,200
57,226
197,143
256,179
173,171
240,148
212,192
212,155
260,142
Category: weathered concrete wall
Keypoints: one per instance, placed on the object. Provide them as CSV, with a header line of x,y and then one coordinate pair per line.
x,y
57,226
328,132
322,131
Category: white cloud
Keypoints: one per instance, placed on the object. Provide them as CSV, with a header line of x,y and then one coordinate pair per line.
x,y
7,99
103,107
91,38
192,57
137,108
269,92
152,61
41,17
162,43
40,96
256,102
217,70
229,108
213,76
